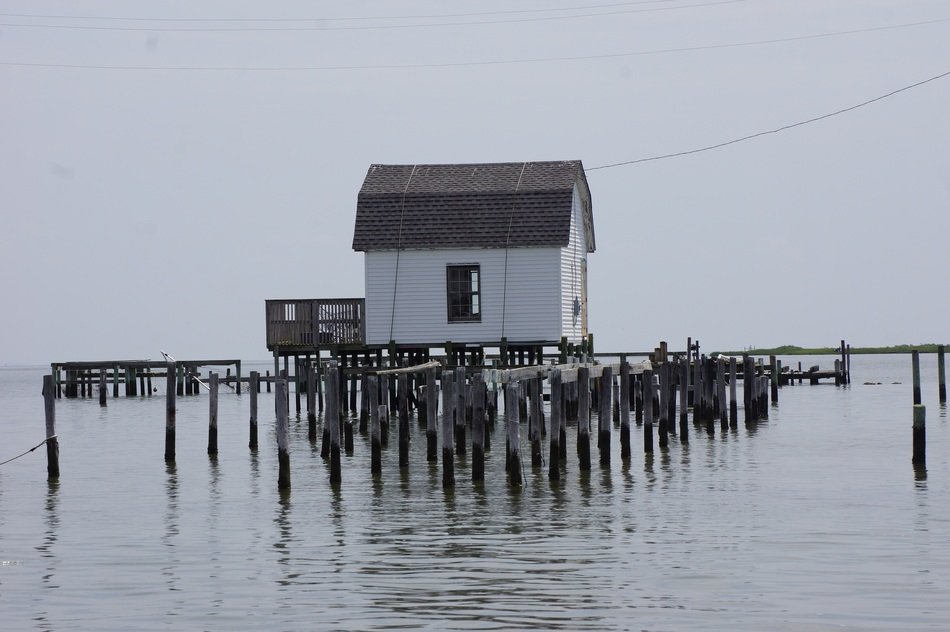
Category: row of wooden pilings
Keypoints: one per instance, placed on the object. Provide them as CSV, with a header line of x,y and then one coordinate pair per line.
x,y
469,404
919,453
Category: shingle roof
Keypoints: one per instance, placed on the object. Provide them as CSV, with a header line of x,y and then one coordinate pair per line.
x,y
469,205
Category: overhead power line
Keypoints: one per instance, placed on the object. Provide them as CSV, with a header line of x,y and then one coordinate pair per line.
x,y
500,62
771,131
429,16
326,27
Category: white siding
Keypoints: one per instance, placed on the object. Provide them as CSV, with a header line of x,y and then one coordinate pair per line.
x,y
532,307
572,258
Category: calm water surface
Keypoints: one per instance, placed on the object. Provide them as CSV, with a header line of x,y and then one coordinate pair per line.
x,y
812,520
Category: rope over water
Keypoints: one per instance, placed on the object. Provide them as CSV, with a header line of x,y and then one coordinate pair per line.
x,y
30,450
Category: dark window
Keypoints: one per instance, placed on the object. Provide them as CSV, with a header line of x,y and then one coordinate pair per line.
x,y
464,296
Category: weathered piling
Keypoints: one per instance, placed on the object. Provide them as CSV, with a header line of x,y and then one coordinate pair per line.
x,y
283,441
919,456
664,430
941,375
52,442
103,391
402,401
311,402
478,429
375,433
432,412
723,410
647,380
534,422
382,397
624,402
583,418
512,415
448,423
213,414
747,385
170,412
733,404
332,419
460,410
554,455
255,387
603,417
684,402
773,377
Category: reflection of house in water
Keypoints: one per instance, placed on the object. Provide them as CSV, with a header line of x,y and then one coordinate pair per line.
x,y
472,254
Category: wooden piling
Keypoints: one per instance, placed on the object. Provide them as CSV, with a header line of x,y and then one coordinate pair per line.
x,y
624,402
664,430
733,404
534,422
647,380
723,411
448,423
554,468
603,417
432,411
478,429
919,457
402,399
915,360
773,377
283,442
332,420
311,402
213,414
52,442
255,387
376,412
941,375
103,391
684,402
583,418
512,417
170,412
460,385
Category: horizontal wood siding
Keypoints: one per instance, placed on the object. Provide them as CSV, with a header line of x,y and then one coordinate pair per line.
x,y
571,263
532,308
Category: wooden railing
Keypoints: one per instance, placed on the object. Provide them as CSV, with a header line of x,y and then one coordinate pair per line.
x,y
315,322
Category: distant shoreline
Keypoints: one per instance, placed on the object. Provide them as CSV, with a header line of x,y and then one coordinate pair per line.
x,y
795,350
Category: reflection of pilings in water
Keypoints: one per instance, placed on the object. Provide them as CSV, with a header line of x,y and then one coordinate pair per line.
x,y
284,536
172,528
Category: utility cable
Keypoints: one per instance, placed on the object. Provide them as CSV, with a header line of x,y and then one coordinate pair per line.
x,y
771,131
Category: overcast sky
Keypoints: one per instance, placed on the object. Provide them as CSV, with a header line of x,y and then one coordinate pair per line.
x,y
162,176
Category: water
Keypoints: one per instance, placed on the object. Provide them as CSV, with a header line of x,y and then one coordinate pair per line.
x,y
813,520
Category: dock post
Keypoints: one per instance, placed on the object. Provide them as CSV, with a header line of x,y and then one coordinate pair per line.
x,y
647,379
747,380
583,418
684,400
664,429
375,432
432,412
512,418
534,422
283,442
478,429
723,410
554,455
603,418
402,398
213,414
382,397
255,385
915,360
460,410
103,391
733,404
115,381
941,375
365,405
52,443
920,435
170,391
311,403
332,420
448,423
624,402
268,380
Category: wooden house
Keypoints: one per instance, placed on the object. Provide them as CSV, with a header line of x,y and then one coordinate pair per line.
x,y
475,253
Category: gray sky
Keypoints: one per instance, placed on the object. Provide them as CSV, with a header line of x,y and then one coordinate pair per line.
x,y
158,208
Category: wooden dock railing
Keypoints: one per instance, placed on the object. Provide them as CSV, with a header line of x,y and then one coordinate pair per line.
x,y
315,322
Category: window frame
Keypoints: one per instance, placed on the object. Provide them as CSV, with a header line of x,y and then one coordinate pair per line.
x,y
473,293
